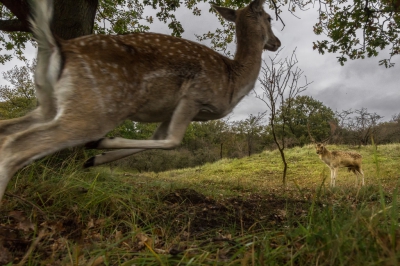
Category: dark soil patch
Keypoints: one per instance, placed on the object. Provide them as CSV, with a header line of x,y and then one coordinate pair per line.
x,y
185,210
255,211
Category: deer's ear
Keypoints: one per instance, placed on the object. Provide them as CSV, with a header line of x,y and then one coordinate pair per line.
x,y
226,13
257,5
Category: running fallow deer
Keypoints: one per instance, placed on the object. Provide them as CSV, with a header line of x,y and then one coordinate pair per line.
x,y
89,85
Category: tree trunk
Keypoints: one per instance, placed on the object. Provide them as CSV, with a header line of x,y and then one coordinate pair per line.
x,y
74,18
280,148
284,166
249,146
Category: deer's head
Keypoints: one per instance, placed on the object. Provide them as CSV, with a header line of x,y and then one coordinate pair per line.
x,y
320,148
260,22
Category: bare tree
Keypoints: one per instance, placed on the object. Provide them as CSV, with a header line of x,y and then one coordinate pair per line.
x,y
281,83
359,124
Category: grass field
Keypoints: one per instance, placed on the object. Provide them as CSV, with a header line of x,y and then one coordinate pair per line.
x,y
232,212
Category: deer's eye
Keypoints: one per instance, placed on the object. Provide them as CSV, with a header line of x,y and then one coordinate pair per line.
x,y
269,19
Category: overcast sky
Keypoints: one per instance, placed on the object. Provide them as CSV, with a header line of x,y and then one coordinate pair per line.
x,y
360,83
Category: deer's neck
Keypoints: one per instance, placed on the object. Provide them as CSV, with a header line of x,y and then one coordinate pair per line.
x,y
249,46
248,60
326,155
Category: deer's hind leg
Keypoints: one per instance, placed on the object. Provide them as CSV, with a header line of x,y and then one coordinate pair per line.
x,y
45,95
362,174
39,115
354,170
11,126
40,140
357,171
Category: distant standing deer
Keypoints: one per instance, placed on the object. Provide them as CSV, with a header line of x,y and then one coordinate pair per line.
x,y
336,159
89,85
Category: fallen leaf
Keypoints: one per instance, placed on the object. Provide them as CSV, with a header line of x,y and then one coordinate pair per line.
x,y
26,226
90,224
118,236
97,261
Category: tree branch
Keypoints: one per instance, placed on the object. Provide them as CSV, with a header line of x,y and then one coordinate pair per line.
x,y
277,14
13,25
19,8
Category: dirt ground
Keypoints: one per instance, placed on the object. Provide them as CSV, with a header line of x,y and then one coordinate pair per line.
x,y
194,216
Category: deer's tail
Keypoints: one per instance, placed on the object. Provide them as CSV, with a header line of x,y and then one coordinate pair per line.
x,y
49,59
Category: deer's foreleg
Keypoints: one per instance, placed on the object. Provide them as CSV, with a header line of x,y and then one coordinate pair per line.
x,y
181,118
335,171
360,171
160,133
333,175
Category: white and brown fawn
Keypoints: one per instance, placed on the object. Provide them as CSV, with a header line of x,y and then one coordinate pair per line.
x,y
336,159
89,85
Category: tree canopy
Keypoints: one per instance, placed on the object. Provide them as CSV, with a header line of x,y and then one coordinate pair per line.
x,y
353,28
19,97
304,111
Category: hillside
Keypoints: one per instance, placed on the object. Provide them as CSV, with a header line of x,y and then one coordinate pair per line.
x,y
230,212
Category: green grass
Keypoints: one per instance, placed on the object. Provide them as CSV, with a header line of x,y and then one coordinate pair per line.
x,y
232,212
